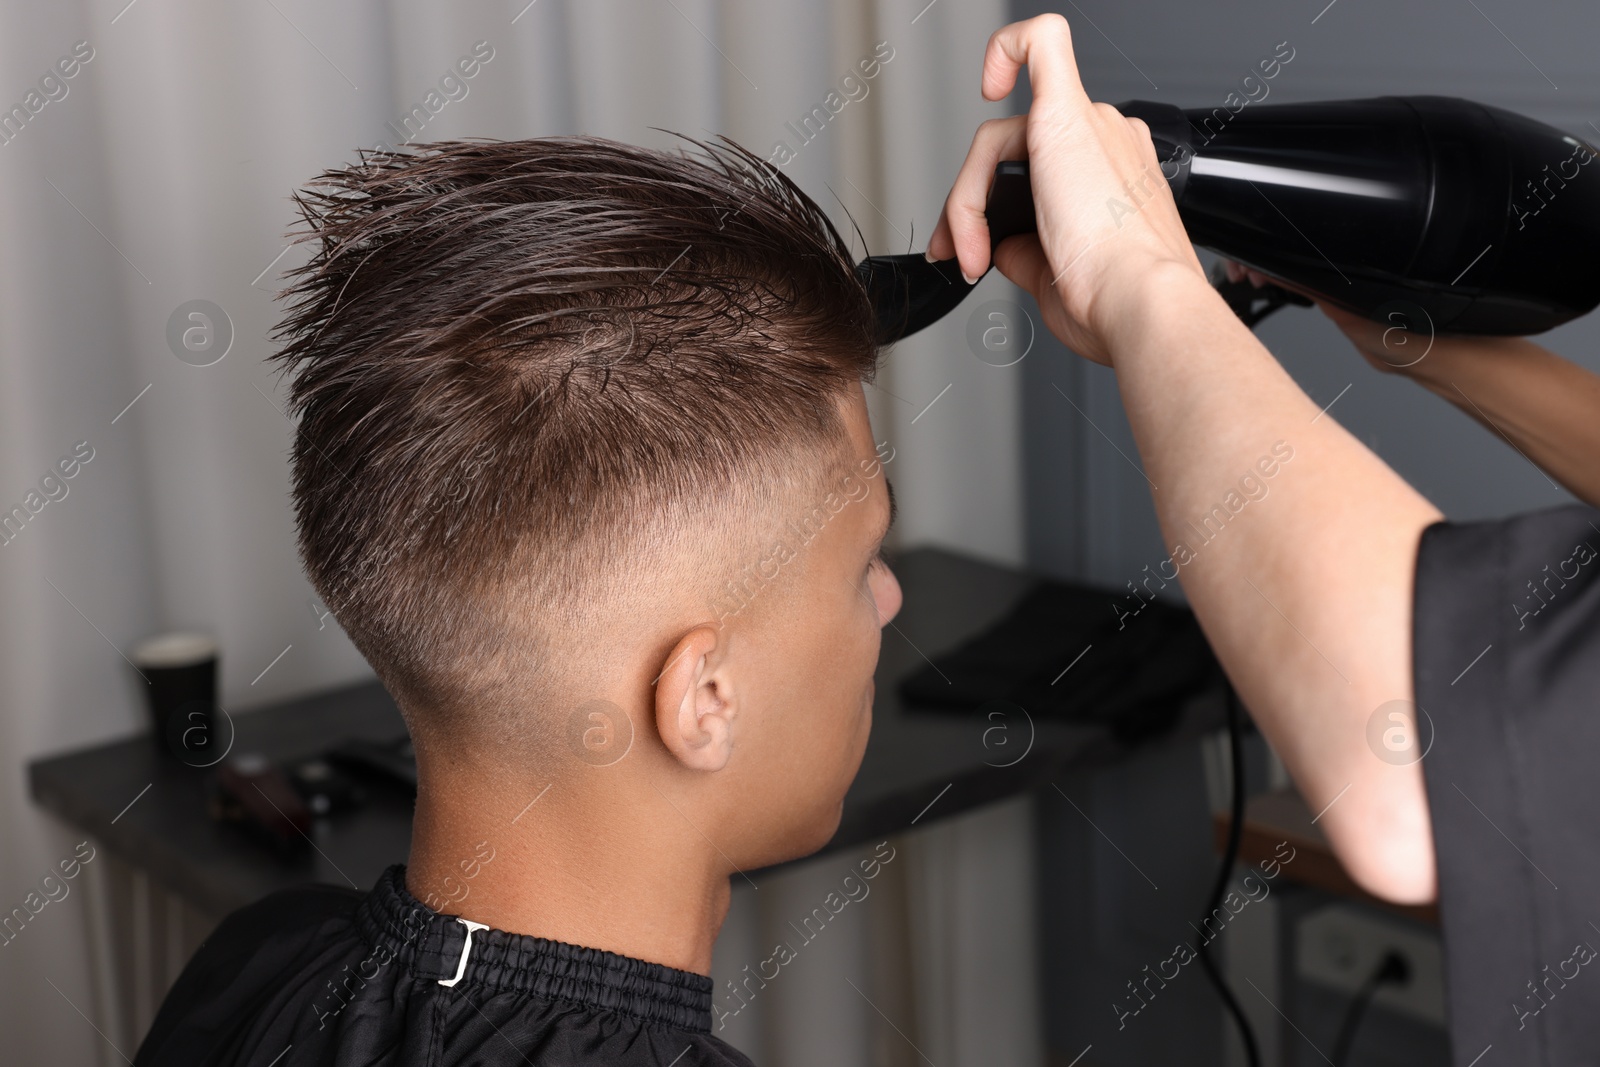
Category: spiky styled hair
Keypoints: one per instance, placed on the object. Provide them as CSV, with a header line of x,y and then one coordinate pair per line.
x,y
509,358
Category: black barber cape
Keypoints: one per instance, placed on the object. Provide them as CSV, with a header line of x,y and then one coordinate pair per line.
x,y
330,976
1507,664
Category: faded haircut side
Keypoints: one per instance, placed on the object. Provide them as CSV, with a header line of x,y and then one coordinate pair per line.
x,y
515,364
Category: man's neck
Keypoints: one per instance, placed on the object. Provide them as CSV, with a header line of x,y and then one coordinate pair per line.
x,y
549,862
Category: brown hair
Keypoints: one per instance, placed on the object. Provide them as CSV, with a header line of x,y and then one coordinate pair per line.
x,y
509,358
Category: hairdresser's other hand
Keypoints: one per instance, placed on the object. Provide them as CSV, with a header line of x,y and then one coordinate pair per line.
x,y
1238,272
1109,230
1386,346
1543,404
1518,390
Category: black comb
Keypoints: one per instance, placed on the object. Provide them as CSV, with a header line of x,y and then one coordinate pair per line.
x,y
910,293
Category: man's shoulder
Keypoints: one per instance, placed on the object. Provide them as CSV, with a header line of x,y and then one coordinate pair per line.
x,y
247,957
278,916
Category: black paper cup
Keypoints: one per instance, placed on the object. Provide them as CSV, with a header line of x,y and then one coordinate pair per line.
x,y
181,669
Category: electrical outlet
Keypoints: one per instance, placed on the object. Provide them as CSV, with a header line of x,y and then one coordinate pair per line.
x,y
1340,946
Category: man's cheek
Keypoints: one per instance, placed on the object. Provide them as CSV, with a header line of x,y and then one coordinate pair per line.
x,y
870,649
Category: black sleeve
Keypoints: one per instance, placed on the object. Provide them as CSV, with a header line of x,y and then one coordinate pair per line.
x,y
1507,664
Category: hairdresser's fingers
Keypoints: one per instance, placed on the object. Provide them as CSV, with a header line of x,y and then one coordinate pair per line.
x,y
1386,346
1258,279
1022,260
962,230
1044,45
1236,271
1105,214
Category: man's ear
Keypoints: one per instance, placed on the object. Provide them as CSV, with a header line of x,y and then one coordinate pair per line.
x,y
694,705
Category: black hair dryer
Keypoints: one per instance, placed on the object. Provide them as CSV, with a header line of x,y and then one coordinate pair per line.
x,y
1427,212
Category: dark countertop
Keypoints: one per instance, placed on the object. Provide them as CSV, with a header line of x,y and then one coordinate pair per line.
x,y
150,811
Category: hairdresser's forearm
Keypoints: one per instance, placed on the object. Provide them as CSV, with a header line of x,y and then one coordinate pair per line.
x,y
1548,407
1306,592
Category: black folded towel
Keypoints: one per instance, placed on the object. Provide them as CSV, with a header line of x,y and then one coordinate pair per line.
x,y
1064,654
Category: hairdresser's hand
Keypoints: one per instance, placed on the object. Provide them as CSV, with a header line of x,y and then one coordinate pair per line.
x,y
1109,232
1387,347
1523,393
1519,391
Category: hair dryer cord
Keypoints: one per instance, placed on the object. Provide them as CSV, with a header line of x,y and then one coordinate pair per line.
x,y
1230,856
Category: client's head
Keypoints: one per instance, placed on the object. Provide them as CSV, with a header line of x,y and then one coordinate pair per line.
x,y
583,468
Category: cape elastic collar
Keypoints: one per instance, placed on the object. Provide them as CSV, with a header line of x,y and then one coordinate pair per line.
x,y
434,946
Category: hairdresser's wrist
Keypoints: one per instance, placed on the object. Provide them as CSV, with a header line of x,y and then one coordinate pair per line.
x,y
1160,296
1451,357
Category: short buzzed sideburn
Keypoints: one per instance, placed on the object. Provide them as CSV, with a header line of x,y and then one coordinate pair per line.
x,y
516,365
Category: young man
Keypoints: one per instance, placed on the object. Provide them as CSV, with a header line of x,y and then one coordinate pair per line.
x,y
583,468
